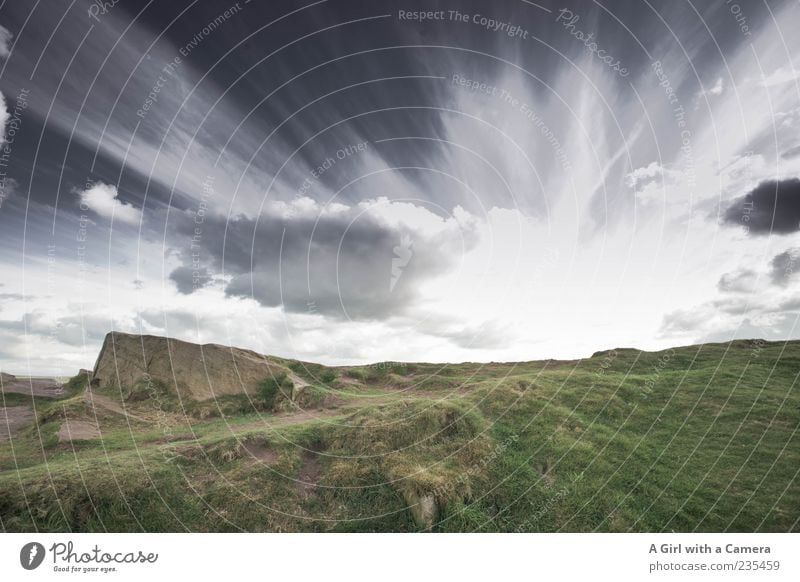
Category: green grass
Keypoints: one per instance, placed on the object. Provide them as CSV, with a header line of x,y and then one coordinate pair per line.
x,y
701,438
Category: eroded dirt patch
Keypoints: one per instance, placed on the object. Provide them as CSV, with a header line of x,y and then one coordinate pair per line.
x,y
309,475
13,419
49,387
100,402
75,430
259,452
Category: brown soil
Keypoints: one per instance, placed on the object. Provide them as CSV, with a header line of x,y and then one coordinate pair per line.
x,y
49,387
100,402
259,453
13,419
348,381
308,477
75,430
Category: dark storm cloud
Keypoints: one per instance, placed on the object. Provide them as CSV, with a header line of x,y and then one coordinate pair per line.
x,y
771,208
188,280
784,266
346,264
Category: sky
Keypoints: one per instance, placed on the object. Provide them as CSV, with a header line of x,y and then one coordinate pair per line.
x,y
347,181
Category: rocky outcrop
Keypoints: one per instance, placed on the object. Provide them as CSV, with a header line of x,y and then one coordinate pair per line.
x,y
194,371
7,377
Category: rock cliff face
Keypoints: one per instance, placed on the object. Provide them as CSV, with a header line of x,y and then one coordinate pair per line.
x,y
193,371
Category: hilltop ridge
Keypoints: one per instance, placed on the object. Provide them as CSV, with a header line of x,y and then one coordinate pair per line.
x,y
194,371
623,441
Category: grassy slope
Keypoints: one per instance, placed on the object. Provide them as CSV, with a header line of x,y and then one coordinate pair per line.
x,y
699,438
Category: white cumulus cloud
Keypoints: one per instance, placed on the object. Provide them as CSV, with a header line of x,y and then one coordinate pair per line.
x,y
5,42
780,76
4,115
103,199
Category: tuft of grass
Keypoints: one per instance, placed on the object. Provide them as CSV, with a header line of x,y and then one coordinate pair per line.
x,y
275,388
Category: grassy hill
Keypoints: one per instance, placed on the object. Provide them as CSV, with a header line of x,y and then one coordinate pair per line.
x,y
696,438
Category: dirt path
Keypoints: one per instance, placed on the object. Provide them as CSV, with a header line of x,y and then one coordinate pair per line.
x,y
49,387
99,401
259,453
13,419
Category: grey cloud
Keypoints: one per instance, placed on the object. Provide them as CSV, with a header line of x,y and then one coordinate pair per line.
x,y
12,296
682,321
792,152
742,281
73,330
175,322
784,266
739,306
347,264
484,336
784,327
188,279
772,207
15,325
791,304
